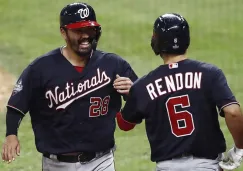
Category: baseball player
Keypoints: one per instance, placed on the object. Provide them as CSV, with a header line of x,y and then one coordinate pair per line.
x,y
178,102
72,94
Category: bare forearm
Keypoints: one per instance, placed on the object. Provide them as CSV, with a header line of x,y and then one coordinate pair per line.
x,y
235,126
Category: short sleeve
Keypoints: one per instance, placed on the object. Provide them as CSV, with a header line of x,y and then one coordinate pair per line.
x,y
220,91
23,91
125,70
131,111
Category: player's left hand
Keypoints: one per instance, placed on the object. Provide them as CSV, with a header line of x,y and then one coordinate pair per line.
x,y
122,84
233,159
11,148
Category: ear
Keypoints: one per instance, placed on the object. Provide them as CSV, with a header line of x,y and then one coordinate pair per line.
x,y
63,33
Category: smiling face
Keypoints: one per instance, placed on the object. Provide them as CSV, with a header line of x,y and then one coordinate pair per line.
x,y
80,40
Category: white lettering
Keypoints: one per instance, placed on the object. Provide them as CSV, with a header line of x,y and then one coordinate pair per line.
x,y
173,83
62,97
151,91
188,80
159,87
170,84
179,81
197,80
81,89
49,95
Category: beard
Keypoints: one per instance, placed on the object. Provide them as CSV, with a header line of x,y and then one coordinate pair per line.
x,y
82,47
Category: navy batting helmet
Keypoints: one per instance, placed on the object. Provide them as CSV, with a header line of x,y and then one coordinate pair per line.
x,y
78,15
170,34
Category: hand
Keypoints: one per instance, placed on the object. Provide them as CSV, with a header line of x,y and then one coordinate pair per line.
x,y
233,159
122,84
11,148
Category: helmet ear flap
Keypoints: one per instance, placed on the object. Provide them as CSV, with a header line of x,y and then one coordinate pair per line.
x,y
155,44
96,39
98,33
94,44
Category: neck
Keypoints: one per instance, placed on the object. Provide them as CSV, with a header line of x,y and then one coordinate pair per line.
x,y
173,58
74,58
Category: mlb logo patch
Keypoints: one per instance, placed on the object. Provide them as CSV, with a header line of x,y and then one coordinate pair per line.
x,y
173,65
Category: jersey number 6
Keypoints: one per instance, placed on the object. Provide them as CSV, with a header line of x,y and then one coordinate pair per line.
x,y
181,122
98,106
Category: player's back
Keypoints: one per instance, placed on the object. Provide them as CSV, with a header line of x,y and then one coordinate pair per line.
x,y
178,102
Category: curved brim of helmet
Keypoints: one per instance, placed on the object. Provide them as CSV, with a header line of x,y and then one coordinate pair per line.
x,y
82,24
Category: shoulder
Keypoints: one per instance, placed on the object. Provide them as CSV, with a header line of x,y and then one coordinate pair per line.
x,y
41,63
144,80
205,66
110,56
45,59
112,59
139,86
209,71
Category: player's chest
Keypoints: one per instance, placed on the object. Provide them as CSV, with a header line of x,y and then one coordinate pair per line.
x,y
62,89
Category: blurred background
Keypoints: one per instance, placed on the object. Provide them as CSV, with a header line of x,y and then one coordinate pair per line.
x,y
30,28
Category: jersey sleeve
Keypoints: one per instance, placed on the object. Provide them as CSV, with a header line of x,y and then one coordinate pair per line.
x,y
125,70
131,111
23,91
221,92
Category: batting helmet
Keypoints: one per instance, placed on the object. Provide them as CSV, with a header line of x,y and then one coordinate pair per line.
x,y
170,34
78,15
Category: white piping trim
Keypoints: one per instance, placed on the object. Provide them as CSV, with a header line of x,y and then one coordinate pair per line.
x,y
228,105
16,109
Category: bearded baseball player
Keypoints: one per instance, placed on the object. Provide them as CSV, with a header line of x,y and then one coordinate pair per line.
x,y
72,94
178,101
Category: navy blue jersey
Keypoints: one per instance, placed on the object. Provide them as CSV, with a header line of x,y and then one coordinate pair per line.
x,y
71,111
179,103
